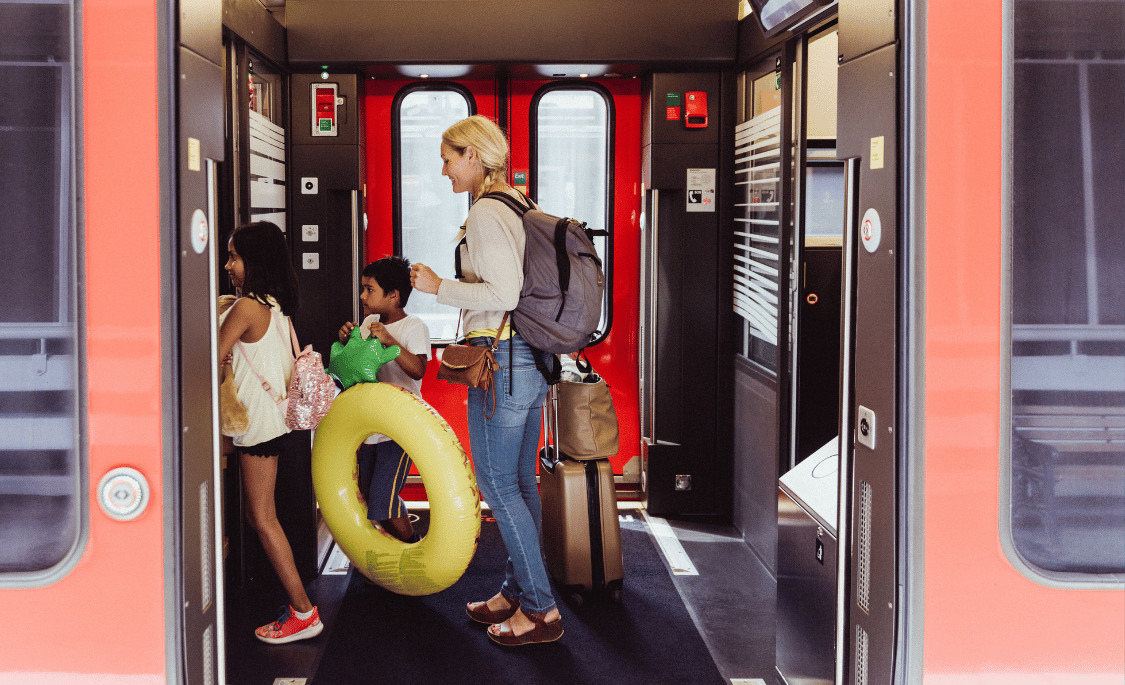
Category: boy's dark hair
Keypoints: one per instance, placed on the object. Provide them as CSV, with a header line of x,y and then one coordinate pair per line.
x,y
391,273
261,244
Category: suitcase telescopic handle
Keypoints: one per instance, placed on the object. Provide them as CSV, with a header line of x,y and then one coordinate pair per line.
x,y
550,454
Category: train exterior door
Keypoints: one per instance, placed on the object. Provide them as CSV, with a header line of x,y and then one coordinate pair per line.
x,y
405,192
112,575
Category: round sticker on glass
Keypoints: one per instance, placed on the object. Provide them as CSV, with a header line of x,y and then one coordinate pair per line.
x,y
199,231
870,230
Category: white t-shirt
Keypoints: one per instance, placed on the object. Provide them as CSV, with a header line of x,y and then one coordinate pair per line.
x,y
413,336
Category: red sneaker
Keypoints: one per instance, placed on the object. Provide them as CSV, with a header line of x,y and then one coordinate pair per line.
x,y
289,628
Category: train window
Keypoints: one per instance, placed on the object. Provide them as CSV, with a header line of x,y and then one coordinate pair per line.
x,y
1065,499
41,461
572,163
757,220
428,212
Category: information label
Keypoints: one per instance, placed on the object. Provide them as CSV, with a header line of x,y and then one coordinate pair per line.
x,y
700,190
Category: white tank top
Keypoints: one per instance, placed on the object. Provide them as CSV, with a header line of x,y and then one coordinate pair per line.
x,y
272,356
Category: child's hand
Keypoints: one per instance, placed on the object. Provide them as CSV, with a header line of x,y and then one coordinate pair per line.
x,y
227,360
345,331
380,331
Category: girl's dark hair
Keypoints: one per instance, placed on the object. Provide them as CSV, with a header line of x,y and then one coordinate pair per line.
x,y
261,244
391,273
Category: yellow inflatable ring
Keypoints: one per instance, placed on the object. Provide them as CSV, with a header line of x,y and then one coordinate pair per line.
x,y
439,559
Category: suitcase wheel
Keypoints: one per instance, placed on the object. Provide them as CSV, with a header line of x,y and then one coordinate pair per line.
x,y
614,590
574,597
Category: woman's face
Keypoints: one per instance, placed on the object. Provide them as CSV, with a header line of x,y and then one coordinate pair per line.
x,y
235,267
463,169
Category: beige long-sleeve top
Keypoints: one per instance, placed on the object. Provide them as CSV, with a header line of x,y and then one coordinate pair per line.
x,y
491,266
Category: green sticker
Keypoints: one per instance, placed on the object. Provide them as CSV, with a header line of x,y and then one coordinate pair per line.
x,y
325,124
520,178
672,100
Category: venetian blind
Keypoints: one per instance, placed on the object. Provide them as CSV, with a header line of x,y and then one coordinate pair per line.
x,y
757,223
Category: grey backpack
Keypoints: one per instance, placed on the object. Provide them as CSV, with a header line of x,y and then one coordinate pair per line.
x,y
561,301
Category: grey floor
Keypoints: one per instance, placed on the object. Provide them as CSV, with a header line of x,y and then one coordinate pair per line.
x,y
732,600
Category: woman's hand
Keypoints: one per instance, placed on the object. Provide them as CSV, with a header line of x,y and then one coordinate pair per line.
x,y
423,278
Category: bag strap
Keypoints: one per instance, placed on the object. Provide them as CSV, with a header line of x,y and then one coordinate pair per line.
x,y
293,338
496,340
265,384
518,207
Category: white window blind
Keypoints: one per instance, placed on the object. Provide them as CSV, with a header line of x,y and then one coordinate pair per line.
x,y
757,223
267,170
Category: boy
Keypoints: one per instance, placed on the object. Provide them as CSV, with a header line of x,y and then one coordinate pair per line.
x,y
383,466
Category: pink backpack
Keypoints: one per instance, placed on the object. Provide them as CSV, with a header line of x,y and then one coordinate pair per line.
x,y
310,391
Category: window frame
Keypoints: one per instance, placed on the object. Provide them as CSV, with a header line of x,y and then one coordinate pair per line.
x,y
533,177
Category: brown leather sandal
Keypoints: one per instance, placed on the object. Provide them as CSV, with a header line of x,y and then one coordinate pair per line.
x,y
544,631
482,614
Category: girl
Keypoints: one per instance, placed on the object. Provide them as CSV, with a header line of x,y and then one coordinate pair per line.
x,y
258,325
474,154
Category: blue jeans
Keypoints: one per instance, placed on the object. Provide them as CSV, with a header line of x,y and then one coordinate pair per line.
x,y
504,456
383,468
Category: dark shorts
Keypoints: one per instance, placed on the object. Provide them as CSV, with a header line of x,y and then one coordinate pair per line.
x,y
383,468
269,448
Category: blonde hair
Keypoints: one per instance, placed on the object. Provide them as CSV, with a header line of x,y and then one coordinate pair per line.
x,y
483,135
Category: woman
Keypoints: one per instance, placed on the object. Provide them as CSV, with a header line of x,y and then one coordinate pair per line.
x,y
474,155
254,337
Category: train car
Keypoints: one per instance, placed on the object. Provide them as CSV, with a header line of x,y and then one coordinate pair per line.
x,y
864,327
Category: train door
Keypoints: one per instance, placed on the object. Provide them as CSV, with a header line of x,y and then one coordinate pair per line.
x,y
107,437
199,152
80,365
412,211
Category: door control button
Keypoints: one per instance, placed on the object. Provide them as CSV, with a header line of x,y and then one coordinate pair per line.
x,y
865,433
123,493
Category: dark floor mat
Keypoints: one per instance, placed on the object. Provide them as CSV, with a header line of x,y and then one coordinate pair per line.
x,y
649,637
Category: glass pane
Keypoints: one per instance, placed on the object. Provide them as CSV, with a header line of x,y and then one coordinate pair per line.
x,y
266,147
572,172
431,212
824,200
1068,277
40,500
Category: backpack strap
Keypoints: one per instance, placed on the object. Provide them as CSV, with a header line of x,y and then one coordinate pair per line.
x,y
457,255
519,208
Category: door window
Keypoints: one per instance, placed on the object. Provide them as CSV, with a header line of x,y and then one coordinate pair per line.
x,y
572,162
41,460
429,211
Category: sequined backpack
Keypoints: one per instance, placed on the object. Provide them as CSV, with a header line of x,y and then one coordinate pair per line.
x,y
310,392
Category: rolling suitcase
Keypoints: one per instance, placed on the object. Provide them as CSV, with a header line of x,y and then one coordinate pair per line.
x,y
581,531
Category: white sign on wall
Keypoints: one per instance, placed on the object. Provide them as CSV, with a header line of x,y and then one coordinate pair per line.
x,y
700,190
